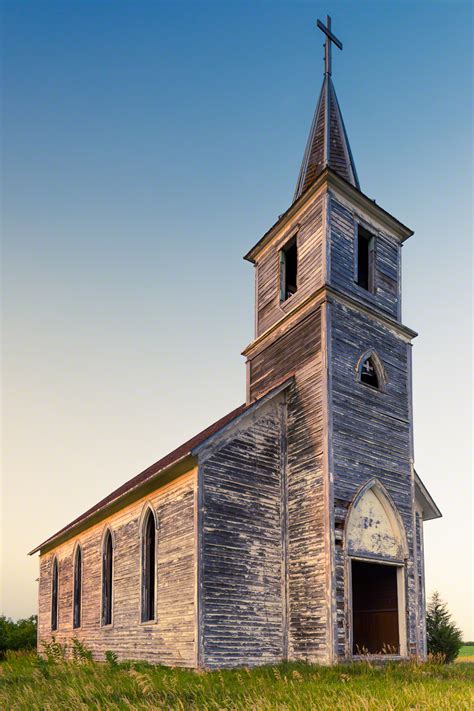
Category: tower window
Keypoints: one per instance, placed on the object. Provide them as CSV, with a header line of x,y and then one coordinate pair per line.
x,y
148,567
76,621
368,374
107,579
365,259
288,269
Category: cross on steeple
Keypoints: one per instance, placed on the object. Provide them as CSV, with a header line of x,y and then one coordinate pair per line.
x,y
327,45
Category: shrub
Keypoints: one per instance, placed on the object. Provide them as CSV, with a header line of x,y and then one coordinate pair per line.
x,y
442,634
17,635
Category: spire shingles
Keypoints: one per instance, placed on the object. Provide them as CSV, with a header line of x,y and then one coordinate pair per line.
x,y
328,145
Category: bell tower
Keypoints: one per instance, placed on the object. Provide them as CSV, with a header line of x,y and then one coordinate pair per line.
x,y
328,316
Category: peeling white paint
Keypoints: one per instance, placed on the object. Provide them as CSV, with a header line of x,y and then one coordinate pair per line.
x,y
371,530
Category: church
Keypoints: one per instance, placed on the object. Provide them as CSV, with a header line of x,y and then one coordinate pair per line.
x,y
292,528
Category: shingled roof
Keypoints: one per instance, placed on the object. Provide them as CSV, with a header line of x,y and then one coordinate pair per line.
x,y
328,145
183,453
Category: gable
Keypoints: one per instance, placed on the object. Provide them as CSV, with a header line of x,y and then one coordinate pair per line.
x,y
372,529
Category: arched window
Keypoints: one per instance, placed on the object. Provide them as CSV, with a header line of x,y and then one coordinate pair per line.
x,y
370,371
107,578
148,566
54,596
76,618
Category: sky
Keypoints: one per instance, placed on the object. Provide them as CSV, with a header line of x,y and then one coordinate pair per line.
x,y
146,147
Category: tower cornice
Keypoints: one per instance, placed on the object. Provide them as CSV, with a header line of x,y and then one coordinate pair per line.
x,y
330,180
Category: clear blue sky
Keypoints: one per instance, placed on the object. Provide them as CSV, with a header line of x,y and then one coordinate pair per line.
x,y
147,146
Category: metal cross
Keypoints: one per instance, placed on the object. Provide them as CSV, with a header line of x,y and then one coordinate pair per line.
x,y
327,45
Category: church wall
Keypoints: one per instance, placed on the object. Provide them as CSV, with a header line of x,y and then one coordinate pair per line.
x,y
309,227
370,439
241,571
298,352
342,259
169,640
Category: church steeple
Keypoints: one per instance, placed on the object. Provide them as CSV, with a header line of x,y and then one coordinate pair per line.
x,y
328,145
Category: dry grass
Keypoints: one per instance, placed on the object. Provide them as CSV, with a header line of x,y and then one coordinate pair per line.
x,y
30,683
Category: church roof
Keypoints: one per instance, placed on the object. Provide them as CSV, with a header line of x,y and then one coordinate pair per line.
x,y
184,454
328,144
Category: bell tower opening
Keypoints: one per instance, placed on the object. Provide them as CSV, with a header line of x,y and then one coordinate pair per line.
x,y
375,623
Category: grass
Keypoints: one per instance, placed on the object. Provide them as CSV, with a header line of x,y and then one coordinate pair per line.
x,y
30,683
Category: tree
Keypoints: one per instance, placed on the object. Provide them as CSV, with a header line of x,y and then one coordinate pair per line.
x,y
17,635
442,634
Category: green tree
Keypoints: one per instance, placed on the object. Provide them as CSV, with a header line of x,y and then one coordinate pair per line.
x,y
17,635
442,634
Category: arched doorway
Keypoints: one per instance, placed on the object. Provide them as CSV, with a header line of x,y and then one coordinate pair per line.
x,y
376,550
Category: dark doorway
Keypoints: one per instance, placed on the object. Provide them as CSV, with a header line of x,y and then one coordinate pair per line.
x,y
374,608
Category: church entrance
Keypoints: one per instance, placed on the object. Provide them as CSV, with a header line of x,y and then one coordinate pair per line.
x,y
375,624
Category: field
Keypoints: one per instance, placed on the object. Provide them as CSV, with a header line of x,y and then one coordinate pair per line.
x,y
29,683
466,654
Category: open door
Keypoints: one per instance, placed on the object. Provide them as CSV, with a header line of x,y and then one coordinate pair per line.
x,y
375,624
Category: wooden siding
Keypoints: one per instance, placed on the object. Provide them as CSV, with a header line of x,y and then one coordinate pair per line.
x,y
171,639
309,230
298,351
370,439
242,599
342,223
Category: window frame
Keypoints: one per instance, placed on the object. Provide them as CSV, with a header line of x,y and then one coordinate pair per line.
x,y
75,589
372,258
373,356
148,515
289,242
103,623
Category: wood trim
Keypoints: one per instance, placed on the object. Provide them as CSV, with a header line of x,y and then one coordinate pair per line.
x,y
284,528
327,479
199,522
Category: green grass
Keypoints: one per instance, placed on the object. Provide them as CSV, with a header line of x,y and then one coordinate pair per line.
x,y
467,651
29,683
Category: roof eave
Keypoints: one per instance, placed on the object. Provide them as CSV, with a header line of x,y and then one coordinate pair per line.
x,y
429,508
160,478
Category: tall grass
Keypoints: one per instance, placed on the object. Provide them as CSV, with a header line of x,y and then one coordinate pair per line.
x,y
29,683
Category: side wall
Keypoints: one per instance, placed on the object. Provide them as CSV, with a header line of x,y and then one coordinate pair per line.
x,y
241,571
171,639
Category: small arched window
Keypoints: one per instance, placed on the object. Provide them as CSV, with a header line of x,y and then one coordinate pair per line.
x,y
76,618
54,595
148,566
107,578
368,373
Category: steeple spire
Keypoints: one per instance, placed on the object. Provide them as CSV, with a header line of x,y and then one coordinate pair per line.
x,y
328,145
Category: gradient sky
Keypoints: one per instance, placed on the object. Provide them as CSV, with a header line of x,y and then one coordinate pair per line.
x,y
146,147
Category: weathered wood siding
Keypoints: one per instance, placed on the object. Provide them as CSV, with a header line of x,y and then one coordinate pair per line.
x,y
370,436
342,231
242,598
171,639
297,351
309,229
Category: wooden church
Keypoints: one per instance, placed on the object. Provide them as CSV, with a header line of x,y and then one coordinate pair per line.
x,y
292,528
